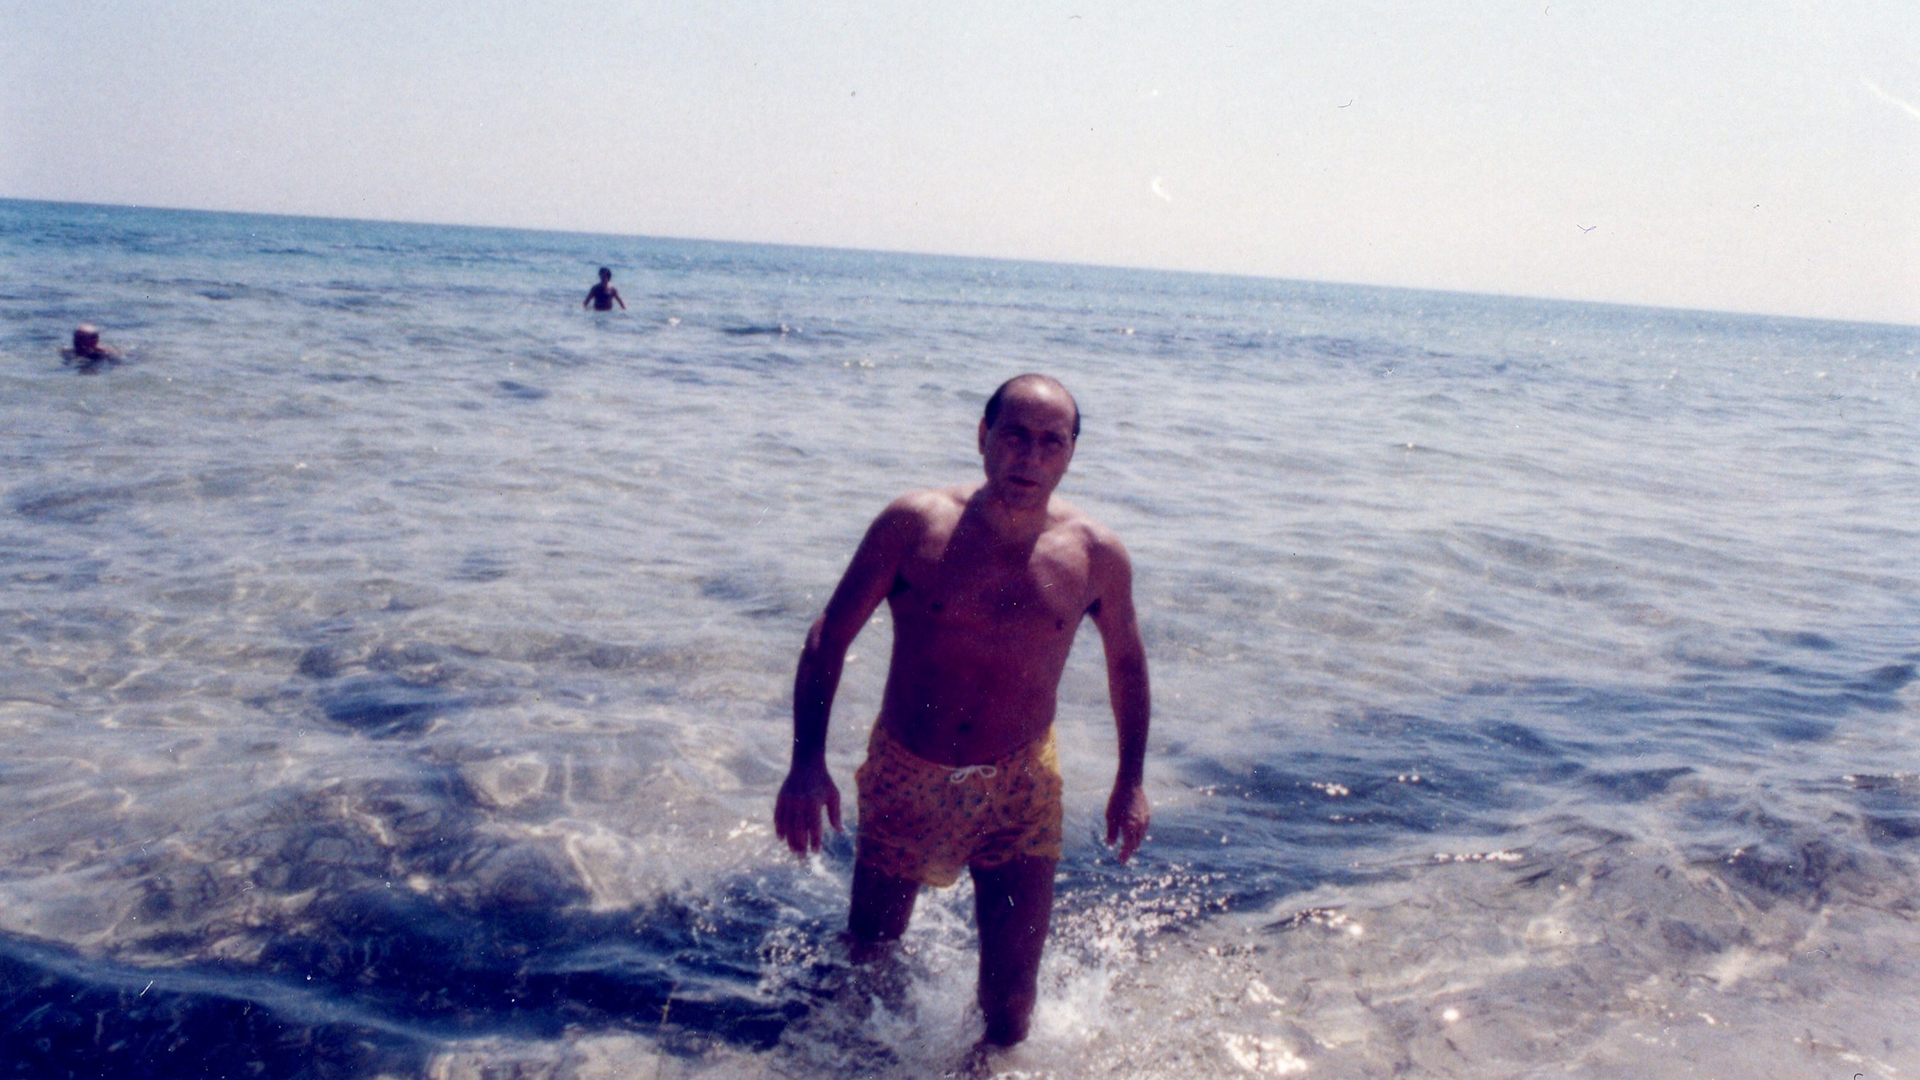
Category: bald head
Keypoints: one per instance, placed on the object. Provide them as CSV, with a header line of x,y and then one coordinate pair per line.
x,y
1043,384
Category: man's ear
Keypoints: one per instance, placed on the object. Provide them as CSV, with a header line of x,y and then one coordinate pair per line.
x,y
983,435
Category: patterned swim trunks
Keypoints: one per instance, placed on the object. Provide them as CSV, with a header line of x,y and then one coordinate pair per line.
x,y
923,821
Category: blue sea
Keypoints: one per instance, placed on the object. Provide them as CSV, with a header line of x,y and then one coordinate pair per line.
x,y
395,664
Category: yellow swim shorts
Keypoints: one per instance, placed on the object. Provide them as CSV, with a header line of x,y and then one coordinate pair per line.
x,y
923,821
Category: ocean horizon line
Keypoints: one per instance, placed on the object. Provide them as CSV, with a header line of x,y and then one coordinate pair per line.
x,y
1011,260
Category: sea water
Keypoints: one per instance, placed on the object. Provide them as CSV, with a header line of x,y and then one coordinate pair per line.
x,y
395,664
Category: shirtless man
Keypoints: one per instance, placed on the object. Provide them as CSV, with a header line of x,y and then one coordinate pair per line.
x,y
87,352
987,584
603,295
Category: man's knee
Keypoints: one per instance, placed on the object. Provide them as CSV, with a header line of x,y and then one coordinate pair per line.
x,y
1015,899
872,925
881,905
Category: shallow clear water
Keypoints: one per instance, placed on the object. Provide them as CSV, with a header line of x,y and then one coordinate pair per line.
x,y
394,663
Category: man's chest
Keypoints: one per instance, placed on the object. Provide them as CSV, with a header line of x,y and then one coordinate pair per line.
x,y
1040,591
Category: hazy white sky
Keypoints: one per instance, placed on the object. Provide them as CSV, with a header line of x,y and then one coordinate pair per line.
x,y
1754,156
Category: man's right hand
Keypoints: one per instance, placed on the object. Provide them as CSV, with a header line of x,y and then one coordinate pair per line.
x,y
796,811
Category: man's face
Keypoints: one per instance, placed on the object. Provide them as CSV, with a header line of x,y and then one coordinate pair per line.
x,y
1029,446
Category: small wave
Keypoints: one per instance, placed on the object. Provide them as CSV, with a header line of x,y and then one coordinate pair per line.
x,y
1636,785
85,505
520,390
357,302
480,567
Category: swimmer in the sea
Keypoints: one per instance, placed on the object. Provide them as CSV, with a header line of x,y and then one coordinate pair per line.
x,y
987,583
603,295
87,352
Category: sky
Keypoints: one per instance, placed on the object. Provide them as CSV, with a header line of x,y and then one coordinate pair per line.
x,y
1761,156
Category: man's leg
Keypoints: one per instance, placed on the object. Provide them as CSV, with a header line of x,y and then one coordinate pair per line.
x,y
1013,905
881,906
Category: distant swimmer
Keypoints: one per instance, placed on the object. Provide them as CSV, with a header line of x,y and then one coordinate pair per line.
x,y
987,583
87,352
603,295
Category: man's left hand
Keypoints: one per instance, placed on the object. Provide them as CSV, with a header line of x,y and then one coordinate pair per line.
x,y
1127,818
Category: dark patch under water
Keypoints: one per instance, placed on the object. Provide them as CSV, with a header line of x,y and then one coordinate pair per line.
x,y
383,977
71,1018
386,708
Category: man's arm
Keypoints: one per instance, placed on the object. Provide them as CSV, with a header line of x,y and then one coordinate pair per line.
x,y
808,789
1128,813
617,300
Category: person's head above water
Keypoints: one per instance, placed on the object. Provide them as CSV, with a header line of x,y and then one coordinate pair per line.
x,y
87,350
606,274
1020,382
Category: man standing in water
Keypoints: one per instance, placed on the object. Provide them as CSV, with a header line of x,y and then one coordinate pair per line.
x,y
987,584
603,295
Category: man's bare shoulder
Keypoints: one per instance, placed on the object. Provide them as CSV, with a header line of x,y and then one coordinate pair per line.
x,y
1083,529
1109,567
916,512
930,504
